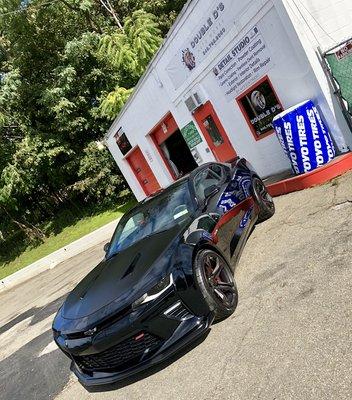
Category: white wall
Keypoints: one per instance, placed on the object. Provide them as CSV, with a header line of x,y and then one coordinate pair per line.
x,y
328,20
295,74
323,24
147,108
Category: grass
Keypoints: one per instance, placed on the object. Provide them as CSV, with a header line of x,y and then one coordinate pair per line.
x,y
58,238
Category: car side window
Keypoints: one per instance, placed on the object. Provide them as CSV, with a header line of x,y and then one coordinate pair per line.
x,y
220,170
132,225
210,176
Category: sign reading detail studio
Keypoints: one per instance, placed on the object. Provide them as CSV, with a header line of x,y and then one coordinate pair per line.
x,y
215,24
247,61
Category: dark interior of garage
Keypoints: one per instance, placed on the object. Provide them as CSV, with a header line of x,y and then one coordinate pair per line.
x,y
178,154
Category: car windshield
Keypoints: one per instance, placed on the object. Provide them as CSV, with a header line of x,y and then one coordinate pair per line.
x,y
156,215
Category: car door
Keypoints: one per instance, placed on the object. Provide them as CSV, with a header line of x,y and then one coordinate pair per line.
x,y
238,218
233,209
218,177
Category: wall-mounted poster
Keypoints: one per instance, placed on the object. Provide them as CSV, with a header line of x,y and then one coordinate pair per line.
x,y
260,104
123,142
191,135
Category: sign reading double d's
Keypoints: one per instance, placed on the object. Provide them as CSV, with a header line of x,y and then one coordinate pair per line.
x,y
207,34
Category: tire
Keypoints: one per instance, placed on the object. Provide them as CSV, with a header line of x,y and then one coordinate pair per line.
x,y
263,199
216,283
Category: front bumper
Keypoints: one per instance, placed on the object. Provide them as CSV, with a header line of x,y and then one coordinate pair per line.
x,y
140,339
188,331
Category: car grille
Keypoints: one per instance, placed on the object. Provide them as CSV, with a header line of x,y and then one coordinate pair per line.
x,y
122,356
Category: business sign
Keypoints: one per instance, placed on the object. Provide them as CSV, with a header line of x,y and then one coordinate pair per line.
x,y
211,30
260,105
191,135
122,142
344,51
243,64
340,63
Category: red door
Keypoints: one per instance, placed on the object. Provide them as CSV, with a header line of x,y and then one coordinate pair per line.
x,y
214,133
143,172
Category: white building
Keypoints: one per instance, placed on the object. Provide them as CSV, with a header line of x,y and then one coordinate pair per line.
x,y
201,98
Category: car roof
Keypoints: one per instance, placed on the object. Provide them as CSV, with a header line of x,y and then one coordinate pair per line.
x,y
168,188
184,178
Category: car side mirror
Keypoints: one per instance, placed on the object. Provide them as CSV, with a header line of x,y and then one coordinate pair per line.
x,y
106,247
210,191
215,217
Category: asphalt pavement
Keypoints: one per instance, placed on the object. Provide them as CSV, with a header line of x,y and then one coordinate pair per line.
x,y
290,337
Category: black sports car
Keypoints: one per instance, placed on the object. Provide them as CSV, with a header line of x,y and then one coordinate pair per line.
x,y
167,274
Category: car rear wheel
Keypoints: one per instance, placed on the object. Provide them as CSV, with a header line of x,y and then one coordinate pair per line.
x,y
263,199
216,283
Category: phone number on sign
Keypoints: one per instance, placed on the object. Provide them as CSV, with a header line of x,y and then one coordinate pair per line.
x,y
214,41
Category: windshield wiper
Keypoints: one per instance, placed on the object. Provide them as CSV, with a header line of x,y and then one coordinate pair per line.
x,y
155,233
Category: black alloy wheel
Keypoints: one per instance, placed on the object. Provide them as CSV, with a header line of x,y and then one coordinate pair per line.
x,y
263,199
216,282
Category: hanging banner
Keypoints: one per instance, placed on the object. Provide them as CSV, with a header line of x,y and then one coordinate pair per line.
x,y
211,30
247,61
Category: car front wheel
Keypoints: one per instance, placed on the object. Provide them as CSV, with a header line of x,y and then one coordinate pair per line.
x,y
216,283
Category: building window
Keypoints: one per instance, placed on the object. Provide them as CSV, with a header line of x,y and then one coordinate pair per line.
x,y
213,131
259,105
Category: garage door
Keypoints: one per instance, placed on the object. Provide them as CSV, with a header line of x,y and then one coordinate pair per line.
x,y
143,172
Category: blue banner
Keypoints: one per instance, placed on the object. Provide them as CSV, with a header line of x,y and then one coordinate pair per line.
x,y
304,137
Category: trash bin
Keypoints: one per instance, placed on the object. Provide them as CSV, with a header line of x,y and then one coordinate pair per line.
x,y
304,137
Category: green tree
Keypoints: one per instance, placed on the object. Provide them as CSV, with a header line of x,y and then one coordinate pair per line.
x,y
67,67
100,181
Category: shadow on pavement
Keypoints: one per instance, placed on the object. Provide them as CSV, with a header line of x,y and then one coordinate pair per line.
x,y
25,375
38,314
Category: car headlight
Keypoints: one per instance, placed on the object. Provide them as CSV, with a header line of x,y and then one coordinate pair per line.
x,y
155,292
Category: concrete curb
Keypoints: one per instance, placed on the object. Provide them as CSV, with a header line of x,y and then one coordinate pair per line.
x,y
65,253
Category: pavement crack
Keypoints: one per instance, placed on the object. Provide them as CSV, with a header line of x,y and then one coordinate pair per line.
x,y
341,205
319,211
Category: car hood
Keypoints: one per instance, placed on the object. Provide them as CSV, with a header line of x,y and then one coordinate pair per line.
x,y
119,281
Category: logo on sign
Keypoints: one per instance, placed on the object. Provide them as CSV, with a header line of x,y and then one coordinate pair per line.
x,y
188,59
258,100
345,51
